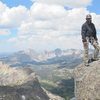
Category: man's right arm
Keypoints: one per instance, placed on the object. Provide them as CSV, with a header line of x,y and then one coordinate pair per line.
x,y
83,33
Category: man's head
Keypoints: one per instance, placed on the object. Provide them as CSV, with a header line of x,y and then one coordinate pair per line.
x,y
88,18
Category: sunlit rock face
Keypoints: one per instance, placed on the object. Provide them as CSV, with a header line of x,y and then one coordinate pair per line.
x,y
22,84
87,81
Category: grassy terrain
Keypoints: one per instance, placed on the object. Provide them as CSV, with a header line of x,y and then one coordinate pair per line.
x,y
56,80
64,89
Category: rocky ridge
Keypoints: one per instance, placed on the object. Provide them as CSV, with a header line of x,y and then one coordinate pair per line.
x,y
87,81
22,84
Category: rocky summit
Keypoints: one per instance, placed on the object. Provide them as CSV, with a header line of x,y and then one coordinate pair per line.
x,y
22,84
87,81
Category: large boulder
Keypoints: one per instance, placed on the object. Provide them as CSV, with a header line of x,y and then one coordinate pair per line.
x,y
87,81
21,84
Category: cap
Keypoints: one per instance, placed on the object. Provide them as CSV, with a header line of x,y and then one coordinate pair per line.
x,y
88,16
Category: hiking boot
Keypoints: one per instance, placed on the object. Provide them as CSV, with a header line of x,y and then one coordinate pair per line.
x,y
91,60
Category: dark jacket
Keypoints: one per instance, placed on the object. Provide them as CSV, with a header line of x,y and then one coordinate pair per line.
x,y
88,30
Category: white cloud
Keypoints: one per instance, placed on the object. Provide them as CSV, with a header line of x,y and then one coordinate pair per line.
x,y
68,3
3,7
45,20
51,26
12,17
45,26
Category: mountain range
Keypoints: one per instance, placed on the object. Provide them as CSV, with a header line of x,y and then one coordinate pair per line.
x,y
31,57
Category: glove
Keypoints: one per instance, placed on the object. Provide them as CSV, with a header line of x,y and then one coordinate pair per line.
x,y
84,40
96,38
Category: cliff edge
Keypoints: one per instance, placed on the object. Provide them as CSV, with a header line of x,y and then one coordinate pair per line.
x,y
87,81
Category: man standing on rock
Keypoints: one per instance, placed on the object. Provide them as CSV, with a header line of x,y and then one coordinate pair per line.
x,y
88,32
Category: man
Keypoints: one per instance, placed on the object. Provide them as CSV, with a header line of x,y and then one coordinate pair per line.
x,y
88,32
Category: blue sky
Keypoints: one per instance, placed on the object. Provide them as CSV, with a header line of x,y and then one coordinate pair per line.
x,y
13,3
95,6
44,24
